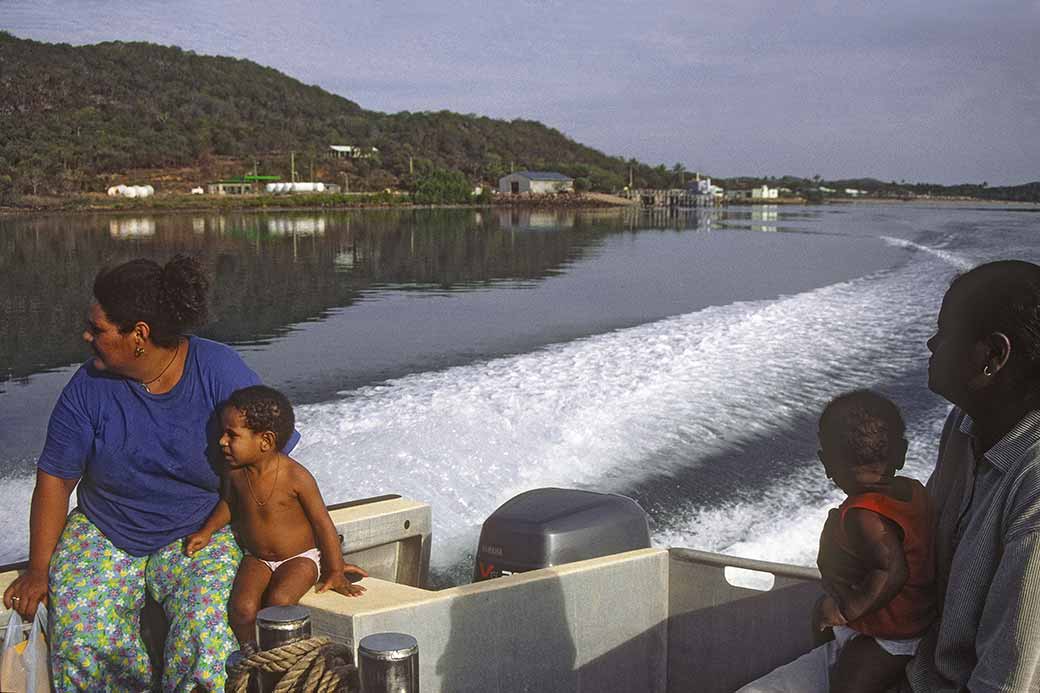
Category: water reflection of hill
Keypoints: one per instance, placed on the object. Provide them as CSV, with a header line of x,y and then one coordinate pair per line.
x,y
269,270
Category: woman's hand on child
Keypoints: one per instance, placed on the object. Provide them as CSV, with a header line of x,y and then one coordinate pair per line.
x,y
827,614
338,582
194,542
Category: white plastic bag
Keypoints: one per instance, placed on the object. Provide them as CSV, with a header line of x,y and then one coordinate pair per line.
x,y
24,667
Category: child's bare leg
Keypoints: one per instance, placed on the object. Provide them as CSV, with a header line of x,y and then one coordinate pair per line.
x,y
290,582
863,667
247,592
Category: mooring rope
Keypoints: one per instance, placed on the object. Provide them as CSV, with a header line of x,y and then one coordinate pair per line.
x,y
312,665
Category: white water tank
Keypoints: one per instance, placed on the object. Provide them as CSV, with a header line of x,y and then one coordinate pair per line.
x,y
319,187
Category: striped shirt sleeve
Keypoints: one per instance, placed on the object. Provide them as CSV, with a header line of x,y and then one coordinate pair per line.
x,y
1007,645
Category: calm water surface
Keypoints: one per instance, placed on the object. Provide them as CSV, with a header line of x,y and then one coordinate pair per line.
x,y
460,357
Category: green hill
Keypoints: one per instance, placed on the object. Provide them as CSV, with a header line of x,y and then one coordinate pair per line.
x,y
75,118
78,119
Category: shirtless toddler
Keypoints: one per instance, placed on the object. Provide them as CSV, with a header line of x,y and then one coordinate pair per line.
x,y
276,512
876,556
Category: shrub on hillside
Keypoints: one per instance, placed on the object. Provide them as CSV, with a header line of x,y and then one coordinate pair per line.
x,y
442,187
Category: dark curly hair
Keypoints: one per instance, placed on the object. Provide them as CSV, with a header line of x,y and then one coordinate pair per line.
x,y
171,299
1003,296
265,409
863,426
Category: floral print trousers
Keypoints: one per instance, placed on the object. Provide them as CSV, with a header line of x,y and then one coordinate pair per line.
x,y
96,595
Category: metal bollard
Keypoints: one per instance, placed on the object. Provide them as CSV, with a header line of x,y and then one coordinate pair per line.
x,y
277,626
280,625
389,663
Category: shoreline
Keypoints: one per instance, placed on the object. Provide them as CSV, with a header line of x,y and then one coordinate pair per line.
x,y
102,204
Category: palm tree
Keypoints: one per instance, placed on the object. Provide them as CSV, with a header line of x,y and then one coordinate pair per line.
x,y
680,171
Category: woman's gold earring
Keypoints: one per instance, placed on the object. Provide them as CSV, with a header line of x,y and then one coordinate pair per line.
x,y
139,351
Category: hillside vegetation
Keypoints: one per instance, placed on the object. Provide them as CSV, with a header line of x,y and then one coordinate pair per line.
x,y
78,119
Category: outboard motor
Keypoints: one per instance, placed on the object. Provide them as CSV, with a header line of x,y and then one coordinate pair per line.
x,y
549,526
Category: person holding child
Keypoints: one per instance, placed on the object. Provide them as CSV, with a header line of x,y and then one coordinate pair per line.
x,y
985,360
276,511
133,432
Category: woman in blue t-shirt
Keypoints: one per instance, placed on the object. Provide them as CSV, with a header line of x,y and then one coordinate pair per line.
x,y
133,428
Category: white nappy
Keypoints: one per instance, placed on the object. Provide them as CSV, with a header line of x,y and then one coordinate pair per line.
x,y
313,554
810,673
899,648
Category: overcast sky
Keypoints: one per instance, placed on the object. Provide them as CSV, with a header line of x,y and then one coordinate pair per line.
x,y
926,91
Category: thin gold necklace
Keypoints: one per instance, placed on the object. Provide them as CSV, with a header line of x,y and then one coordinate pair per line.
x,y
165,368
277,468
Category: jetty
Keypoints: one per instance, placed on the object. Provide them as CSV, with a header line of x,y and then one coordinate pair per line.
x,y
675,198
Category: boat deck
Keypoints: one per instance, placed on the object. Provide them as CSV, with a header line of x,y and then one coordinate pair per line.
x,y
653,620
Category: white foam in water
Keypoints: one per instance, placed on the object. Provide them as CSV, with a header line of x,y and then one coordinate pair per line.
x,y
14,517
594,412
961,264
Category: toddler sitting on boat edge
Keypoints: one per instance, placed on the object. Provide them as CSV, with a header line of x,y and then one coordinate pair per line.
x,y
276,511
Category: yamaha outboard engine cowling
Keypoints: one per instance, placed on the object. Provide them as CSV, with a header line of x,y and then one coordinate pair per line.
x,y
550,526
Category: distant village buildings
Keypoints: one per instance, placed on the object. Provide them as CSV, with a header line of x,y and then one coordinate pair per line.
x,y
763,192
704,189
700,192
233,186
538,182
350,151
301,187
246,185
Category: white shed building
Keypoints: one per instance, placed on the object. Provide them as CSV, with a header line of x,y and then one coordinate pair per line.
x,y
350,151
535,182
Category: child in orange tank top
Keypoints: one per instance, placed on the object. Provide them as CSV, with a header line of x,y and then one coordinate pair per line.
x,y
876,549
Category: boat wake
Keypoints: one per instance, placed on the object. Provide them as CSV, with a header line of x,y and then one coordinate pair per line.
x,y
610,411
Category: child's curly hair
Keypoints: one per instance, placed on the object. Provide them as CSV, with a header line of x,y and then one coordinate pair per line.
x,y
265,409
864,426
